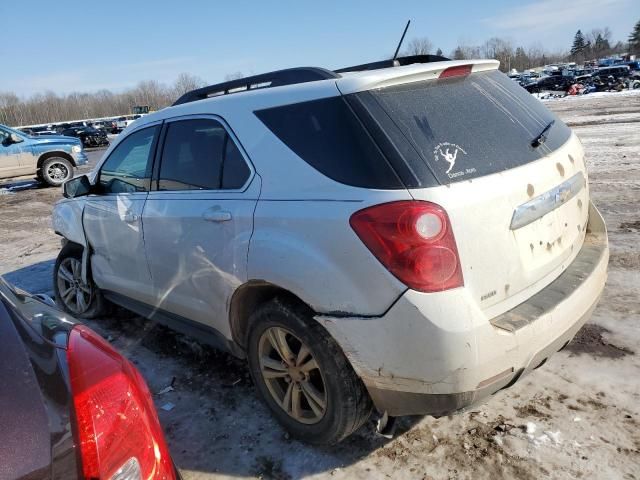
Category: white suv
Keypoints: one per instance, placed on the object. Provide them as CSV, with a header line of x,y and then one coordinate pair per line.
x,y
414,238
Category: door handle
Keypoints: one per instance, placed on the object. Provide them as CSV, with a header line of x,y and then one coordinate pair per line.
x,y
130,217
217,216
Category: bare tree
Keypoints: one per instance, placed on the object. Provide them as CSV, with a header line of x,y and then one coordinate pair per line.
x,y
603,33
499,49
599,42
419,46
469,51
458,53
233,76
185,83
49,107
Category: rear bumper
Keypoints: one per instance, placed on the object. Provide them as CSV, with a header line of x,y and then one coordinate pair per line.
x,y
435,354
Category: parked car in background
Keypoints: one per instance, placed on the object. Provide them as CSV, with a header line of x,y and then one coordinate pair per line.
x,y
585,78
414,235
104,125
44,133
39,130
633,82
550,82
60,127
89,136
615,71
124,122
634,66
72,407
51,158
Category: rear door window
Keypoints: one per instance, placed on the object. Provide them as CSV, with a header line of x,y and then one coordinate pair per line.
x,y
199,154
466,127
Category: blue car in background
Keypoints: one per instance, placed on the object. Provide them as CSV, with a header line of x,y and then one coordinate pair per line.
x,y
50,158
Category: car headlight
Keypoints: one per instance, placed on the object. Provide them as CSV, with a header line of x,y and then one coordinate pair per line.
x,y
76,149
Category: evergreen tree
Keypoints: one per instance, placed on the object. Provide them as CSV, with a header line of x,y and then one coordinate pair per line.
x,y
601,45
439,52
634,39
521,61
579,44
458,54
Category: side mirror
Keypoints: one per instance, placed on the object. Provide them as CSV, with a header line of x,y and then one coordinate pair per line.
x,y
13,138
77,187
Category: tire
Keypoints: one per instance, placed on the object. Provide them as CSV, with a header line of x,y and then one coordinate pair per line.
x,y
56,170
67,274
332,401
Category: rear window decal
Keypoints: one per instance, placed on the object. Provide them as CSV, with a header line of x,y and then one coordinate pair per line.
x,y
449,153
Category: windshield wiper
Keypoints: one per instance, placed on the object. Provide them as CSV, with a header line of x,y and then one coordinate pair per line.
x,y
540,139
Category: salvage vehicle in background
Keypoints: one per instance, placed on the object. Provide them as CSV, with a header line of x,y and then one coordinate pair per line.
x,y
89,136
414,234
615,71
51,158
550,82
64,126
107,126
124,122
71,405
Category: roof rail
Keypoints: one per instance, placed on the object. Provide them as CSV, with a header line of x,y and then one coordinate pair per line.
x,y
278,78
291,76
400,61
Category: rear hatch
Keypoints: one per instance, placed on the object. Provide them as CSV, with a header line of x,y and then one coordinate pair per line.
x,y
510,174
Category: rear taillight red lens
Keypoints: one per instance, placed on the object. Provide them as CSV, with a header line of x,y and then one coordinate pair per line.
x,y
414,241
117,428
457,71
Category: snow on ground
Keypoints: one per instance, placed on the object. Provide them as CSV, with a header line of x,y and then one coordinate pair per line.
x,y
576,417
544,96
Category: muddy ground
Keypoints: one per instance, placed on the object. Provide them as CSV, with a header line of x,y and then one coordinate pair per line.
x,y
576,417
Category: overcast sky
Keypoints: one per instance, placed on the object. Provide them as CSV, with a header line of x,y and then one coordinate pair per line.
x,y
66,46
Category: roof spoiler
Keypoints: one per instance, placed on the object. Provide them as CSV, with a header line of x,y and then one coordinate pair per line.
x,y
398,62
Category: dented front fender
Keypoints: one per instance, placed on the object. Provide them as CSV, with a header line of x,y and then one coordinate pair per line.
x,y
66,220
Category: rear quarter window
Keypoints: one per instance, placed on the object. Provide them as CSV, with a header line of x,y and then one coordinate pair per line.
x,y
329,136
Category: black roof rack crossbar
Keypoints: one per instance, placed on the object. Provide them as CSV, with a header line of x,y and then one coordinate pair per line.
x,y
400,61
278,78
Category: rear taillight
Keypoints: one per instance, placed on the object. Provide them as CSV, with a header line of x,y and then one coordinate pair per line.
x,y
414,241
116,425
457,71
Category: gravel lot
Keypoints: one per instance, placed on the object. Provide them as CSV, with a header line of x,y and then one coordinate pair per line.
x,y
576,417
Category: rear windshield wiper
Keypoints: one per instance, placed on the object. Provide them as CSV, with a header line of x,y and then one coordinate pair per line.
x,y
540,139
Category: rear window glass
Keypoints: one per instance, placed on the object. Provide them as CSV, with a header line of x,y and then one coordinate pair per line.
x,y
467,127
329,137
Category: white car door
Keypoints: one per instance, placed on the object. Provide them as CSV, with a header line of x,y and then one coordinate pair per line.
x,y
198,220
113,218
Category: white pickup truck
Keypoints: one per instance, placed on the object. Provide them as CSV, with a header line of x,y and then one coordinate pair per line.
x,y
125,121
